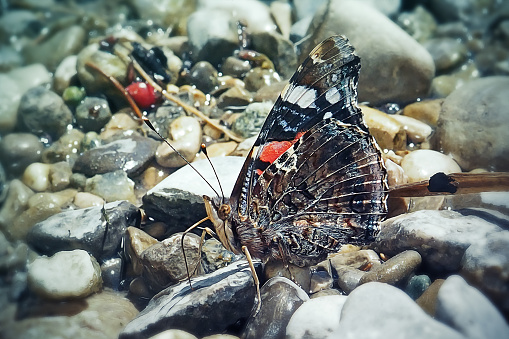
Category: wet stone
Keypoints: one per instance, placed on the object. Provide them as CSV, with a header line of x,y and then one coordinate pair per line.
x,y
62,79
111,273
130,155
163,263
320,280
18,150
423,163
204,76
15,203
426,111
394,271
278,49
317,318
85,229
259,77
215,256
416,131
467,310
349,278
138,242
182,192
111,186
66,148
428,299
93,113
176,334
229,291
486,266
248,124
388,132
235,96
66,274
280,298
36,176
419,23
417,285
60,176
441,237
356,259
235,67
299,275
446,52
43,111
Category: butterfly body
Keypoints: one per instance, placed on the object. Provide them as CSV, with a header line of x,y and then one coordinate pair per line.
x,y
314,179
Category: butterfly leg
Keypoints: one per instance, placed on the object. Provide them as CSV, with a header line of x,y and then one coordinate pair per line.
x,y
282,253
255,277
184,252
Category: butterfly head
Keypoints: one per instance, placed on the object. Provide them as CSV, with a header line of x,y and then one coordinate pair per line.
x,y
219,214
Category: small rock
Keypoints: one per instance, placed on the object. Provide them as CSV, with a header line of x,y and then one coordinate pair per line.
x,y
18,150
248,124
111,186
394,271
259,77
280,298
139,241
120,122
468,311
163,263
388,132
85,199
43,111
215,256
66,148
428,299
111,273
320,281
419,23
356,259
270,92
446,52
278,49
441,237
299,275
93,113
234,96
417,285
316,318
186,137
444,85
219,149
67,274
349,278
73,95
36,176
92,233
395,174
229,291
130,155
422,164
426,111
64,73
402,318
14,204
175,334
473,124
204,76
183,191
60,176
486,266
416,131
235,67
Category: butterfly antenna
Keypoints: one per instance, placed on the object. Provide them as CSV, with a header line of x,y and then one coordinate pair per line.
x,y
204,150
140,115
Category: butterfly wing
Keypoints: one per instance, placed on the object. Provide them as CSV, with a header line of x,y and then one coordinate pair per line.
x,y
324,86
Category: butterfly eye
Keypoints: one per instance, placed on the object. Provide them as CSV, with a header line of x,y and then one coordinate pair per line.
x,y
224,211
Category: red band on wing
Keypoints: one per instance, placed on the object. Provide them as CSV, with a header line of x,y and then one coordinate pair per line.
x,y
274,149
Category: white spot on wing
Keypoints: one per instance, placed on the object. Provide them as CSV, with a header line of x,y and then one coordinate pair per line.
x,y
302,96
327,115
333,95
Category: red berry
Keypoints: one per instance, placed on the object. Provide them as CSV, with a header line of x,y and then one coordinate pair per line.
x,y
142,93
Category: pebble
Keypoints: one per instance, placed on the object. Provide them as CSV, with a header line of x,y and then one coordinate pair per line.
x,y
473,121
218,149
120,122
422,164
395,271
299,275
278,49
428,299
259,77
18,150
234,96
387,312
204,76
395,174
44,112
446,52
320,281
101,238
440,237
426,111
138,241
183,191
130,155
92,114
60,176
485,265
280,298
36,176
235,67
416,131
66,274
416,285
64,74
214,256
66,148
248,124
443,85
388,132
186,135
163,262
229,291
14,204
111,273
61,199
467,310
354,259
316,318
376,45
175,334
419,23
349,278
111,186
85,199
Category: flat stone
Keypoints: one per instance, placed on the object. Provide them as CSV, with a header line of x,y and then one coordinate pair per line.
x,y
394,271
229,291
440,237
92,233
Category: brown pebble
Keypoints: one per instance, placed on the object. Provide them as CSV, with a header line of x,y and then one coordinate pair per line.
x,y
395,270
427,301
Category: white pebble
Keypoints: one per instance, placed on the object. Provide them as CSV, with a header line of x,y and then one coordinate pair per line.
x,y
417,131
85,199
36,176
67,274
422,164
186,136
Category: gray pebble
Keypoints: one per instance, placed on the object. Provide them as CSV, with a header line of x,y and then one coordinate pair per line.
x,y
394,271
111,186
92,114
18,150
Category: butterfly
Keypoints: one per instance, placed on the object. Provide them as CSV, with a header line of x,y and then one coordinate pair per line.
x,y
314,179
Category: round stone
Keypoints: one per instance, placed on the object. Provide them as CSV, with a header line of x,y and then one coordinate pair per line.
x,y
18,150
422,164
93,113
